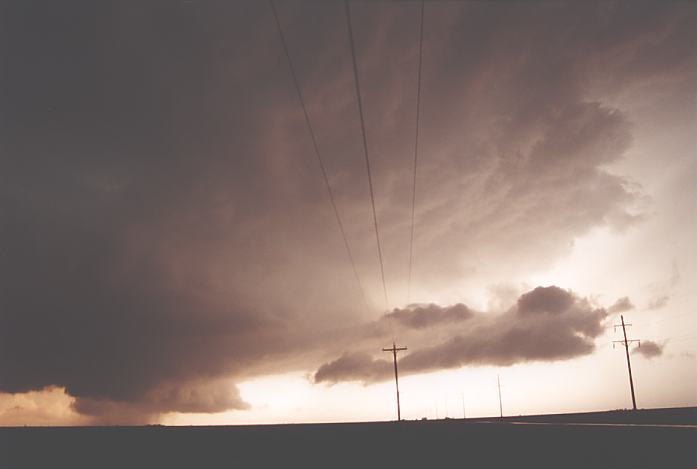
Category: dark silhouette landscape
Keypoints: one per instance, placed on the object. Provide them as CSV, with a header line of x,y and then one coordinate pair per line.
x,y
644,438
223,220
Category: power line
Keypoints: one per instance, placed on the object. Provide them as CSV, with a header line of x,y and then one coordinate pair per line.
x,y
416,151
317,152
365,148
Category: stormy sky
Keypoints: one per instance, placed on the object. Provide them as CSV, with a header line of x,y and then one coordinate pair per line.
x,y
166,233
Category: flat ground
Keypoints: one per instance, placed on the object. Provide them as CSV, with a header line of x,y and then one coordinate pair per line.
x,y
657,438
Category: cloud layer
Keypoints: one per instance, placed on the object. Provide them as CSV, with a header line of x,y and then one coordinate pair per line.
x,y
546,324
166,232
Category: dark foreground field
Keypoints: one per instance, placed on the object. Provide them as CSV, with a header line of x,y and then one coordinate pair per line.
x,y
658,439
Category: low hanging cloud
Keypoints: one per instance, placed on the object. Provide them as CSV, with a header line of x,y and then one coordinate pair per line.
x,y
358,366
649,349
546,324
208,396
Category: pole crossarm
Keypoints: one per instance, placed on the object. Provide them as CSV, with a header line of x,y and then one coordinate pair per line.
x,y
393,349
628,342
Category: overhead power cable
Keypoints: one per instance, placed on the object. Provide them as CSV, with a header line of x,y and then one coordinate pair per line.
x,y
317,152
365,149
416,151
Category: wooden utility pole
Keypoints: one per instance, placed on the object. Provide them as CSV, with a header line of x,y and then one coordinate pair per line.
x,y
498,381
394,351
626,343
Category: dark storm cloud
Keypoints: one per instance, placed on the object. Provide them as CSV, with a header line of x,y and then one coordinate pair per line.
x,y
421,316
124,157
649,349
359,366
164,225
546,324
202,397
545,300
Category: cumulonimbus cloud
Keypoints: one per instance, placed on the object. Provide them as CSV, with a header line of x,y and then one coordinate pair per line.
x,y
164,222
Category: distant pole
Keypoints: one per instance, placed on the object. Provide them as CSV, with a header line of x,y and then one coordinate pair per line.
x,y
626,343
464,415
498,381
394,351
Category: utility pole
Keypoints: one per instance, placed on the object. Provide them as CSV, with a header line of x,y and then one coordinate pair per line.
x,y
500,405
394,351
464,415
626,343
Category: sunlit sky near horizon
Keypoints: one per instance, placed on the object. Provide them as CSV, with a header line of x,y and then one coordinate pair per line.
x,y
170,255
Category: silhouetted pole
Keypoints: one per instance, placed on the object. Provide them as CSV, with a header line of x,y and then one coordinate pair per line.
x,y
464,416
500,404
626,343
394,351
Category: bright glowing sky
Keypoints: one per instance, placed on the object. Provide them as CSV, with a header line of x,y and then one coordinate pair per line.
x,y
169,253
